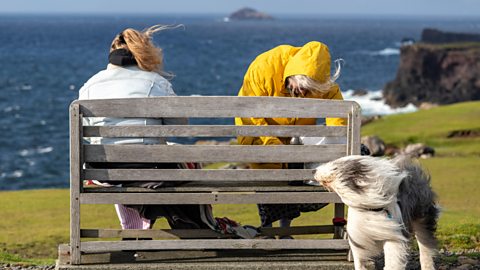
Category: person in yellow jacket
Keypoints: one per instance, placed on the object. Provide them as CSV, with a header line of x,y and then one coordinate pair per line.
x,y
288,71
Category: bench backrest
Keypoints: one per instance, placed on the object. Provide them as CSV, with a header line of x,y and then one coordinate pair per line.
x,y
224,108
208,107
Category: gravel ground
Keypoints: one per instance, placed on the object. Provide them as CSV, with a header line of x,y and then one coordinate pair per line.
x,y
446,261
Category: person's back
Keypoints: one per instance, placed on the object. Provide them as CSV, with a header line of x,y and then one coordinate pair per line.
x,y
287,71
127,82
134,71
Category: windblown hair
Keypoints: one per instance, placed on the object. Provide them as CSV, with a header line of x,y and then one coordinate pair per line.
x,y
148,56
306,82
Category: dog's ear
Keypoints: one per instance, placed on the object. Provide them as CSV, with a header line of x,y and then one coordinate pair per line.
x,y
353,173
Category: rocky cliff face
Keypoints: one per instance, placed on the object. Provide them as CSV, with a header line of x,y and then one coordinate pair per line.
x,y
440,74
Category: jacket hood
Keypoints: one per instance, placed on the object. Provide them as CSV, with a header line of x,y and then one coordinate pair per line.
x,y
312,60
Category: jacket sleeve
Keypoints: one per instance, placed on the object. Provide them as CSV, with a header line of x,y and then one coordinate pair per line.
x,y
335,93
257,88
164,88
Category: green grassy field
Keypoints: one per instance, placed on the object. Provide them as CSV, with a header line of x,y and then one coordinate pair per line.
x,y
34,222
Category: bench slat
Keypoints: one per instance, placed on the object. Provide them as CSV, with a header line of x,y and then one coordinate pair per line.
x,y
213,131
199,175
213,153
100,246
205,187
216,106
210,198
198,233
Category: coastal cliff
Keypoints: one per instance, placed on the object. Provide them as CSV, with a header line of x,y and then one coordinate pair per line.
x,y
439,74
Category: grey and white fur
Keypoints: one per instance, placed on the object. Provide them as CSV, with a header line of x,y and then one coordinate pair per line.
x,y
390,201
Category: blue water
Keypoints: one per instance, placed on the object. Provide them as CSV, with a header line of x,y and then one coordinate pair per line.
x,y
46,59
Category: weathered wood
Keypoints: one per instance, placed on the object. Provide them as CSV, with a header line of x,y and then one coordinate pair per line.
x,y
205,186
199,175
202,256
210,198
198,233
99,246
213,153
356,123
211,187
213,131
216,106
75,176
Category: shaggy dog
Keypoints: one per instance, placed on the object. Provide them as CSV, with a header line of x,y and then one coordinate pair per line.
x,y
389,202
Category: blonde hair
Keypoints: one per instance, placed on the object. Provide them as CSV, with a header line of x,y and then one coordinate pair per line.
x,y
148,56
310,84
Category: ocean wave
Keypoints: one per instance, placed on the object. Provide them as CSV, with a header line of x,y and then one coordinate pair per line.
x,y
38,150
43,150
373,103
14,174
386,52
11,109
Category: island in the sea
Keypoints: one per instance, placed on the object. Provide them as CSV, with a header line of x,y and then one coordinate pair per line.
x,y
248,14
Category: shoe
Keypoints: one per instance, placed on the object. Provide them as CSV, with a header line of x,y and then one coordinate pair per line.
x,y
286,237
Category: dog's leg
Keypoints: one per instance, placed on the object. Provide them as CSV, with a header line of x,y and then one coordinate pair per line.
x,y
360,259
426,244
396,255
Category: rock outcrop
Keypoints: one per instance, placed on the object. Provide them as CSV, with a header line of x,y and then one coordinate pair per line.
x,y
437,74
249,14
435,36
375,145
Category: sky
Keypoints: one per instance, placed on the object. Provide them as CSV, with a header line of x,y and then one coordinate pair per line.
x,y
455,8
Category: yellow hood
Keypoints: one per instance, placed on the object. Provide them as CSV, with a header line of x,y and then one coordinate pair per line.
x,y
312,60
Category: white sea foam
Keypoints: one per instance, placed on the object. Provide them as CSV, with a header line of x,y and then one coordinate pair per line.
x,y
14,174
386,52
43,150
373,104
11,108
26,87
38,150
24,152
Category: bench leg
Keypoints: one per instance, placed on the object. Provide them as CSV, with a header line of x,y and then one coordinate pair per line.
x,y
339,212
74,227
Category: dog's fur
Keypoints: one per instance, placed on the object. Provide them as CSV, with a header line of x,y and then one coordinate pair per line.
x,y
389,201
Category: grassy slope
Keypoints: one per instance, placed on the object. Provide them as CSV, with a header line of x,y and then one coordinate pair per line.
x,y
455,169
34,222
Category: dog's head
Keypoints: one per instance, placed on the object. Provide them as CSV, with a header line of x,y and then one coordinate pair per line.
x,y
347,172
361,181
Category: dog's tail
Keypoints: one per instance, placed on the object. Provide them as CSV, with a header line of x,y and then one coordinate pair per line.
x,y
419,211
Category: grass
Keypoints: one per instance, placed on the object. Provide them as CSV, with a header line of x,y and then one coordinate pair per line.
x,y
455,169
432,127
34,222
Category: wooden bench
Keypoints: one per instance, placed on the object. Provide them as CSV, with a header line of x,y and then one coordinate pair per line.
x,y
207,186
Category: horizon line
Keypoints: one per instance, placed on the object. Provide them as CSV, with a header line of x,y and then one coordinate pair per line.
x,y
286,15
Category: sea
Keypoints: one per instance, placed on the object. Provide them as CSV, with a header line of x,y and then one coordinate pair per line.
x,y
45,59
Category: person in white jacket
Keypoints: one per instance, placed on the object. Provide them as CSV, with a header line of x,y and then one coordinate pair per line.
x,y
135,69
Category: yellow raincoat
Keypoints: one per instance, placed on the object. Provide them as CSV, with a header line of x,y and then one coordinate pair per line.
x,y
266,77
